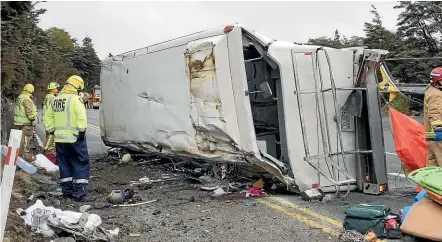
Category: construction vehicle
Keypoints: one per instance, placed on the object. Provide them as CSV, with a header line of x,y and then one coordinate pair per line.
x,y
415,92
96,97
308,115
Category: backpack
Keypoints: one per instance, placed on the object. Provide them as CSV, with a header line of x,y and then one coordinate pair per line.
x,y
365,217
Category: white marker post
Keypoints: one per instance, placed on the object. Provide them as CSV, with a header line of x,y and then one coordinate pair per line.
x,y
8,177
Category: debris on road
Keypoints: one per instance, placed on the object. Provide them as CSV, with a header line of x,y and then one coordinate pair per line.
x,y
254,192
126,158
370,236
129,194
114,232
43,162
220,191
116,197
355,236
209,188
48,221
51,156
84,208
134,204
312,194
20,212
205,179
249,202
30,198
259,184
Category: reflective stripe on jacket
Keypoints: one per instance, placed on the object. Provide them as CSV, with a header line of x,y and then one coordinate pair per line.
x,y
66,118
47,102
432,111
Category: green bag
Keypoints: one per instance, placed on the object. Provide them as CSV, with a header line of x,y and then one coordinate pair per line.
x,y
364,218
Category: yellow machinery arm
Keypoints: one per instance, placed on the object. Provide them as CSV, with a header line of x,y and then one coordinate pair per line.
x,y
387,84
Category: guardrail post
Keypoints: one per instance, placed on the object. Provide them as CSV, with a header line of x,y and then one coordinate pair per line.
x,y
7,182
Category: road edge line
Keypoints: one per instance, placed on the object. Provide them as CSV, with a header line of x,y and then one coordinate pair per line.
x,y
301,218
309,212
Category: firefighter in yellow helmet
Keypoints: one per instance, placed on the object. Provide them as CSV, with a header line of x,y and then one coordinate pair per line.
x,y
25,118
52,91
66,120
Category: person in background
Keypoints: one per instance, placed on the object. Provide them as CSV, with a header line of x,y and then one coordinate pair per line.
x,y
52,91
25,119
433,118
67,121
81,94
87,99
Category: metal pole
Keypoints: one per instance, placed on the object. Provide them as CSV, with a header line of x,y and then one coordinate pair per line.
x,y
325,135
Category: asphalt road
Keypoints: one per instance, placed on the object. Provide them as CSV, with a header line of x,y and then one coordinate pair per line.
x,y
297,215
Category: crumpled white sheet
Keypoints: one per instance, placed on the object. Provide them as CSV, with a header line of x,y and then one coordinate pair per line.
x,y
43,162
59,216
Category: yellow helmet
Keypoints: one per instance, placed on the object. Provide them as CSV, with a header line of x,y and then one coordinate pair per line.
x,y
52,86
76,81
29,88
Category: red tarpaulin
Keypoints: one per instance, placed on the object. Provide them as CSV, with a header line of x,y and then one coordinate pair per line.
x,y
409,139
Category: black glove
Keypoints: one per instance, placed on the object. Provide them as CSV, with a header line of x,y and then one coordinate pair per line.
x,y
81,136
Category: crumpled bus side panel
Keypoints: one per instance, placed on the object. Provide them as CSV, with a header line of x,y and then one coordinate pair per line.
x,y
176,101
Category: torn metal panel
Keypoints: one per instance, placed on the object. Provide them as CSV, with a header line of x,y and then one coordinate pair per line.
x,y
170,108
207,108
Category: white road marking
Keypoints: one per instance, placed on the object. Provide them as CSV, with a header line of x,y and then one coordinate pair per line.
x,y
390,153
397,174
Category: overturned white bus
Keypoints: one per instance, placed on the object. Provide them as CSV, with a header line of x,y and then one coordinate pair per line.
x,y
308,115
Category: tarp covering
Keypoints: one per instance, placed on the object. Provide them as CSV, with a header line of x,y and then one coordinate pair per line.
x,y
409,139
423,220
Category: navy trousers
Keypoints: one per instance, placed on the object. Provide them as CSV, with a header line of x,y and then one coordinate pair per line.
x,y
73,162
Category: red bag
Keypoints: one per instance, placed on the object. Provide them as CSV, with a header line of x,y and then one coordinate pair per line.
x,y
409,139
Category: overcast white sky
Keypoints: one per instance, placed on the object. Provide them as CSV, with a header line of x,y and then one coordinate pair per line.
x,y
117,27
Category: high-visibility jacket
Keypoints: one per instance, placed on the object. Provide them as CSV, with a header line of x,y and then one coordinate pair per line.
x,y
432,111
25,110
66,117
47,102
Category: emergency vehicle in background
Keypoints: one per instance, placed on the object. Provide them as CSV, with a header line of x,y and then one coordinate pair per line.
x,y
96,97
308,115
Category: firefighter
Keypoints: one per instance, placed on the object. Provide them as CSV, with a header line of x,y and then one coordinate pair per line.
x,y
88,99
67,121
52,91
25,118
433,118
